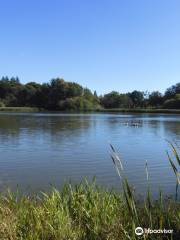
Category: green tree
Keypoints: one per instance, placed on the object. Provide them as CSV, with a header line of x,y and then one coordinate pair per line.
x,y
137,98
173,103
110,100
155,99
172,91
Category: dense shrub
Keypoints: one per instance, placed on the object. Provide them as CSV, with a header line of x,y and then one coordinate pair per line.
x,y
173,102
2,104
78,103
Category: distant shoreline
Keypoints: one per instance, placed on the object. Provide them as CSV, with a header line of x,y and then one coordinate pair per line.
x,y
113,110
140,110
20,109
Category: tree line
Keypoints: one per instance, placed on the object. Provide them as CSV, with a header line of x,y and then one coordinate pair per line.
x,y
55,95
138,99
61,95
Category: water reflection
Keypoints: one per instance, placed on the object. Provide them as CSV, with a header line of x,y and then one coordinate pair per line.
x,y
40,149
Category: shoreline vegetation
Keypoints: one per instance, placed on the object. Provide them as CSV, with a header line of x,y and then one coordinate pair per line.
x,y
20,109
89,212
60,95
102,110
140,110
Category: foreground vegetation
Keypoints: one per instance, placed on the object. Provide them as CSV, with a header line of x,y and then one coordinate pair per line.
x,y
61,95
89,212
84,212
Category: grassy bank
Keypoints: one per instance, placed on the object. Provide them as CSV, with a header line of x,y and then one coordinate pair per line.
x,y
89,212
19,109
140,110
84,212
120,110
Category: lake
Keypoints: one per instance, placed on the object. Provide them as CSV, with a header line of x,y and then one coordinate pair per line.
x,y
38,150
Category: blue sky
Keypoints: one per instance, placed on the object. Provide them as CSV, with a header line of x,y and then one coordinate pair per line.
x,y
102,44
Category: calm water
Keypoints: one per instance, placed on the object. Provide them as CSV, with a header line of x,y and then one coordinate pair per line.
x,y
37,150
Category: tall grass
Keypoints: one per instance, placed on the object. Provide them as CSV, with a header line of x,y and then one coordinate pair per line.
x,y
175,164
157,213
89,212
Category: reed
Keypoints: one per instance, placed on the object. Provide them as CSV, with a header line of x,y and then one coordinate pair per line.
x,y
151,209
174,160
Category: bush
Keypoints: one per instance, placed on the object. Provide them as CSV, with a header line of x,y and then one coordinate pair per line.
x,y
2,104
172,103
77,103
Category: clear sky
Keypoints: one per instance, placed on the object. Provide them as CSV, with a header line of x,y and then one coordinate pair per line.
x,y
102,44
